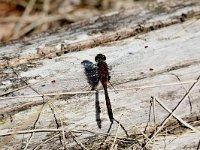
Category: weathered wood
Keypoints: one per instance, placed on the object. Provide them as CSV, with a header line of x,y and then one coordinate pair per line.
x,y
147,51
107,28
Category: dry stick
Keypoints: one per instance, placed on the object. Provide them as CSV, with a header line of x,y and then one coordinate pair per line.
x,y
30,131
29,140
18,76
113,144
51,130
123,128
23,139
81,131
149,117
45,13
56,120
27,122
165,145
37,119
34,127
14,19
38,146
49,94
185,91
78,142
165,121
198,146
137,128
62,127
63,134
154,117
25,14
86,92
177,117
41,21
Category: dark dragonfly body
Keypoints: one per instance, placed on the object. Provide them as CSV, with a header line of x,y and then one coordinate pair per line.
x,y
103,74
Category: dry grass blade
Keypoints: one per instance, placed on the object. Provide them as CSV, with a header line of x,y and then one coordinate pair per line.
x,y
177,117
45,13
78,142
185,91
29,131
113,144
34,126
62,127
166,120
25,14
29,140
14,19
27,122
41,21
86,92
154,117
137,128
38,146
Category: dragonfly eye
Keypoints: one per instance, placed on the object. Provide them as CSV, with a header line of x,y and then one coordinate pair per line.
x,y
100,57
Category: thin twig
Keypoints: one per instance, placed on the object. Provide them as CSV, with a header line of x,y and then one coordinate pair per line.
x,y
198,147
45,13
34,127
27,122
56,120
154,117
122,127
30,131
38,146
48,94
37,119
149,116
113,144
26,19
78,142
62,127
185,91
29,140
39,22
25,14
137,128
165,145
20,78
86,92
165,121
177,117
48,130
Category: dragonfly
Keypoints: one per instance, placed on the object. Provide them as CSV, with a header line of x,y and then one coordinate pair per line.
x,y
99,73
